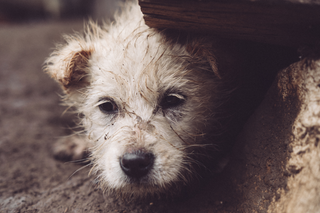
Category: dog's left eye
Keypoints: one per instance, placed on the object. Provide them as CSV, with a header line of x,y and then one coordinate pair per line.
x,y
172,100
108,107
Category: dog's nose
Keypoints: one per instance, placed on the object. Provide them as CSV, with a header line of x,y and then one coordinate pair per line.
x,y
137,164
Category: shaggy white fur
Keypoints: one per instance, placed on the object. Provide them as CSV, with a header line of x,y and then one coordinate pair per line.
x,y
145,99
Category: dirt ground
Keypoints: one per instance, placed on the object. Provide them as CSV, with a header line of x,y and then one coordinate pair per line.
x,y
31,180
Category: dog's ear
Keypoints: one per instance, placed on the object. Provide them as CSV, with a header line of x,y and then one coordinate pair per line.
x,y
212,60
204,50
68,65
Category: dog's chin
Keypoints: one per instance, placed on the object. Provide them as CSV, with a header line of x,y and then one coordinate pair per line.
x,y
143,190
146,192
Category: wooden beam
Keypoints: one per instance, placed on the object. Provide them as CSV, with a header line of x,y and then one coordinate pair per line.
x,y
284,22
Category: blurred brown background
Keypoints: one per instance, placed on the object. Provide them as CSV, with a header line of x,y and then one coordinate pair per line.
x,y
17,11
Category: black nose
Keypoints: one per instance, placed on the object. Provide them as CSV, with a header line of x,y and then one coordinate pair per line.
x,y
137,164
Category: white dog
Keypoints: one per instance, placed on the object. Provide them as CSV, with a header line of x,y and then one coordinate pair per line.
x,y
152,105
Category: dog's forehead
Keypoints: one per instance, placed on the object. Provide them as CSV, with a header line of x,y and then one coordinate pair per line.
x,y
144,64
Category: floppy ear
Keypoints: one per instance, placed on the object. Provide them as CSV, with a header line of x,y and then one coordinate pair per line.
x,y
204,50
68,65
211,58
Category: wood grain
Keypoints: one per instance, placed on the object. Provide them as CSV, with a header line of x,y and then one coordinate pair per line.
x,y
286,22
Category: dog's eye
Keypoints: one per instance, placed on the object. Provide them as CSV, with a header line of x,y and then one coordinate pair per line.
x,y
108,107
172,100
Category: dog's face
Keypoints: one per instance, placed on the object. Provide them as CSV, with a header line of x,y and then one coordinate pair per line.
x,y
149,105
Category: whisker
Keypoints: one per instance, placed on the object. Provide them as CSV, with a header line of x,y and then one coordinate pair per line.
x,y
178,135
81,168
80,161
92,168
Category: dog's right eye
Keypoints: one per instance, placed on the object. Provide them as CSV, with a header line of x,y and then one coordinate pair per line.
x,y
172,100
108,107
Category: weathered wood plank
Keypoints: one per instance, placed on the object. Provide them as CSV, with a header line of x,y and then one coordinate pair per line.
x,y
286,22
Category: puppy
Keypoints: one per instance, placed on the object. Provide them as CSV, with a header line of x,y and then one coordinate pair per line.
x,y
155,107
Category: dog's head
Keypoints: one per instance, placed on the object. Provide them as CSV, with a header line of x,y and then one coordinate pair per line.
x,y
149,105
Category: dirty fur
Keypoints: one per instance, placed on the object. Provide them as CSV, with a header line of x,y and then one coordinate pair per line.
x,y
120,78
